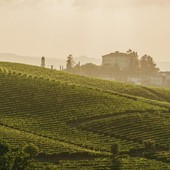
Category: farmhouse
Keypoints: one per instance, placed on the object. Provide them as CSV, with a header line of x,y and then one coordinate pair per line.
x,y
123,60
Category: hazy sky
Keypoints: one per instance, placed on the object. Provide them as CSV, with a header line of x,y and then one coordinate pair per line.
x,y
56,28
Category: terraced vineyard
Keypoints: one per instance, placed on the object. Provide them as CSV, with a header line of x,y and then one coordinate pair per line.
x,y
75,120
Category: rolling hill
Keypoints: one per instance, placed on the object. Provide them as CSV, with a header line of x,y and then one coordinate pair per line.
x,y
75,120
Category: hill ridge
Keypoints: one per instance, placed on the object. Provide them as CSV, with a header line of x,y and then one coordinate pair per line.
x,y
73,114
32,71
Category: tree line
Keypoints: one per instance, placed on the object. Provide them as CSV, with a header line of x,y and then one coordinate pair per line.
x,y
144,66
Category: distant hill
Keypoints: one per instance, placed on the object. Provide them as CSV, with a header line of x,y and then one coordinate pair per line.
x,y
75,120
56,62
31,60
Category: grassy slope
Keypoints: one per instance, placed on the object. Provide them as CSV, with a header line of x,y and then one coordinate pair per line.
x,y
63,115
146,92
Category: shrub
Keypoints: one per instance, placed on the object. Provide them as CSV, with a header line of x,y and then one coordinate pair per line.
x,y
10,160
31,150
4,148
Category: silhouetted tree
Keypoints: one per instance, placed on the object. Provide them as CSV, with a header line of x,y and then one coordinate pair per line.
x,y
90,69
148,66
77,69
134,65
43,62
31,150
70,62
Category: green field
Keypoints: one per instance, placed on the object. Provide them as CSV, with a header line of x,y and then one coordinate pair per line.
x,y
74,120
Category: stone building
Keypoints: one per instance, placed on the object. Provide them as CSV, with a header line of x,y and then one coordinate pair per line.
x,y
123,60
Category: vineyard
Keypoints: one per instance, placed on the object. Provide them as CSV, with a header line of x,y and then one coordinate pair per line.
x,y
74,120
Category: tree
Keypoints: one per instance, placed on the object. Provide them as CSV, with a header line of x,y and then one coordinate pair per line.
x,y
43,62
148,66
31,150
90,69
4,148
134,65
77,69
70,62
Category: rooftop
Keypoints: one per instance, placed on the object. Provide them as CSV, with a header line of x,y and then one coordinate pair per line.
x,y
116,53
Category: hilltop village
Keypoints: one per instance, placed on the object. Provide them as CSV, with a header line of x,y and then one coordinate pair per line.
x,y
120,66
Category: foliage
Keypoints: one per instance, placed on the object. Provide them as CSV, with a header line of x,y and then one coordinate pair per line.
x,y
4,148
13,160
138,67
31,150
21,161
84,82
148,66
134,65
70,63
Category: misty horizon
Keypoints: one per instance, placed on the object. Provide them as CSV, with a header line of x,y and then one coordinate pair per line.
x,y
56,62
57,28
